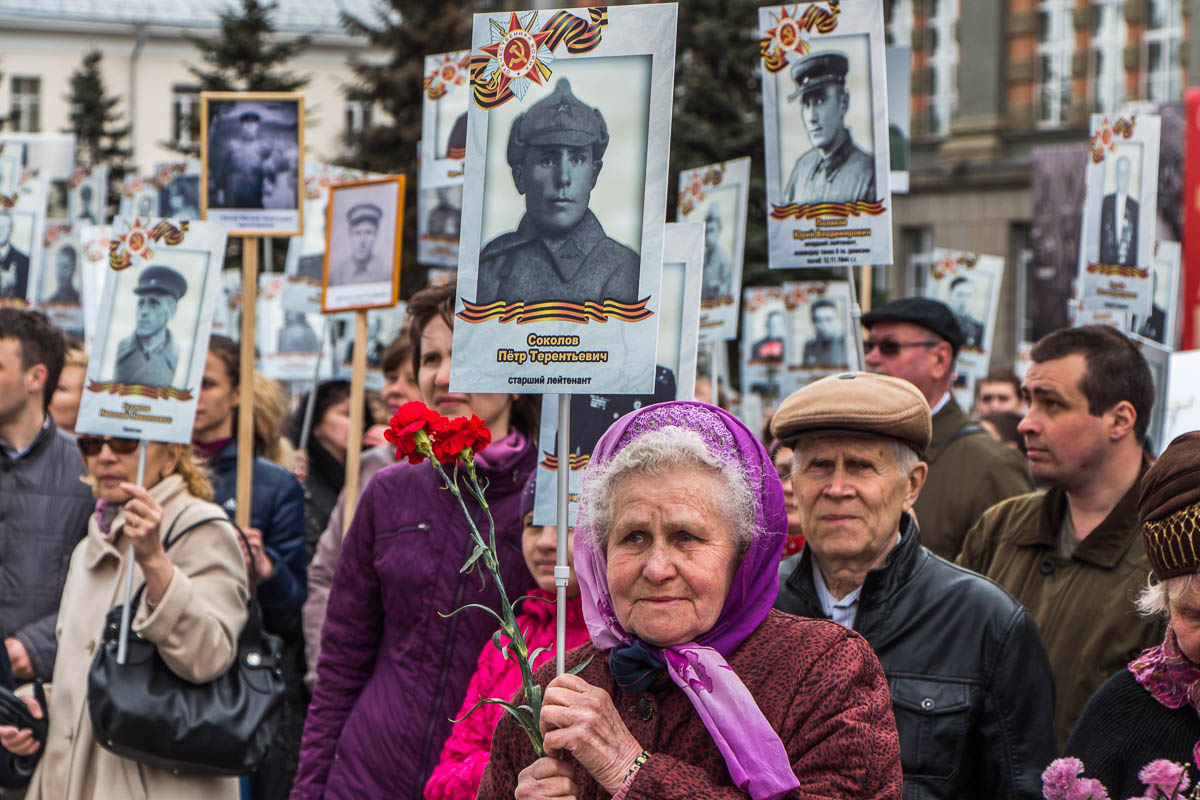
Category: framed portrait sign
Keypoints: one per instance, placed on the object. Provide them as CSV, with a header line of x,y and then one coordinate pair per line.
x,y
1158,359
1161,324
290,342
60,289
717,195
305,263
139,197
94,241
767,342
565,200
675,374
825,118
443,150
178,184
819,318
363,226
160,289
87,195
1116,252
22,220
251,151
969,283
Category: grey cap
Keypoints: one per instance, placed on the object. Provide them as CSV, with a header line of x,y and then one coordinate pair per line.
x,y
558,119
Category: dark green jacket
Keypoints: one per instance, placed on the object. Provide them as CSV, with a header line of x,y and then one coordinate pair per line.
x,y
1083,605
967,476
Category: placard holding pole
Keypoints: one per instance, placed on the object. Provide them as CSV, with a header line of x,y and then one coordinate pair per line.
x,y
856,313
357,387
245,432
562,571
126,612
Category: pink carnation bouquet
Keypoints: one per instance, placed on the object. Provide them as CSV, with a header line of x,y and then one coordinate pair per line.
x,y
1163,779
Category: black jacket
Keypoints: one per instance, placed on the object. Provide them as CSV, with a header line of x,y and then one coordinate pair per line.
x,y
971,686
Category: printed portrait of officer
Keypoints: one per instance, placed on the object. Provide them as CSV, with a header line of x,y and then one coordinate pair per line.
x,y
835,170
962,291
66,263
363,264
827,347
559,251
445,218
243,164
86,213
718,268
1118,220
296,335
14,265
770,347
149,355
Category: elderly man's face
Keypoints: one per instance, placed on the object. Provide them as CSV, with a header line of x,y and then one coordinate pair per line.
x,y
154,311
362,240
1065,444
916,362
1123,172
825,321
6,229
64,267
824,109
851,493
671,555
557,182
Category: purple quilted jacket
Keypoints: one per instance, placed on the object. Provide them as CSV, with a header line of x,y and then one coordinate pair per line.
x,y
392,673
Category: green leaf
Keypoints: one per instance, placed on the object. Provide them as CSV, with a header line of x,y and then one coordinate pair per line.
x,y
531,597
458,611
496,639
533,656
578,668
479,550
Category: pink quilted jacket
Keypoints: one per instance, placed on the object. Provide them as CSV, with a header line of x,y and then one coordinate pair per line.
x,y
466,752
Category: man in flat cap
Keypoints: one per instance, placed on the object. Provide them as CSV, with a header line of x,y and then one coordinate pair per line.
x,y
559,251
363,265
14,265
242,166
827,348
718,268
917,339
1072,553
835,170
971,686
148,356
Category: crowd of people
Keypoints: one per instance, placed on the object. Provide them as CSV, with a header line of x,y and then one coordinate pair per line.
x,y
880,594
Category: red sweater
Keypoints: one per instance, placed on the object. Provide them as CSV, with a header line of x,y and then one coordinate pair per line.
x,y
466,752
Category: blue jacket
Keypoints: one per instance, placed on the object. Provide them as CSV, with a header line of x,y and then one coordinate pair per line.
x,y
276,509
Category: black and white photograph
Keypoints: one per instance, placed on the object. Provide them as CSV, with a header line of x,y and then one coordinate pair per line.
x,y
289,341
362,254
1160,324
87,195
820,320
565,198
443,149
21,227
717,195
61,284
825,115
153,325
1116,259
969,283
767,342
178,185
1058,194
1158,359
139,197
439,225
251,154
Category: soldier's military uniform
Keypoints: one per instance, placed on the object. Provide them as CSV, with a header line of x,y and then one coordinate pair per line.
x,y
14,273
587,264
242,168
825,352
847,173
155,365
972,331
374,269
718,268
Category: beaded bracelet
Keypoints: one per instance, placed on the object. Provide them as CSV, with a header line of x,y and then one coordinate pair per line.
x,y
637,763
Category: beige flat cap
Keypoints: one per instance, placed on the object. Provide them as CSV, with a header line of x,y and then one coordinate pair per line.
x,y
856,402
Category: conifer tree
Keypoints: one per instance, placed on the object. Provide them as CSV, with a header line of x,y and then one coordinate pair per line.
x,y
100,138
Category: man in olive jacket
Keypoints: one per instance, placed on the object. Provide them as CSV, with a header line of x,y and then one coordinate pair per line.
x,y
970,684
1073,554
917,339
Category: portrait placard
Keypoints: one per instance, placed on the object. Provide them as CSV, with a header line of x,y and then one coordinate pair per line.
x,y
363,228
767,343
251,151
899,83
675,373
139,197
22,219
1158,359
87,195
564,201
289,342
819,316
94,241
825,119
305,262
60,288
969,283
178,184
717,195
1161,324
156,309
1116,253
444,105
1183,395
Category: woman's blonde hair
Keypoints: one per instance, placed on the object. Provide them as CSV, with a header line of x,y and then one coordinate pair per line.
x,y
193,472
270,414
75,357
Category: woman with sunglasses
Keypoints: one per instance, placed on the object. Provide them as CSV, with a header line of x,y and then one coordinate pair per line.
x,y
193,608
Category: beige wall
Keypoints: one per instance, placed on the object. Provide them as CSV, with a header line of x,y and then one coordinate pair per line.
x,y
161,63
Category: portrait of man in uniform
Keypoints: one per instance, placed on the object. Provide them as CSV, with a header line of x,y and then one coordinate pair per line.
x,y
149,356
770,347
718,268
86,213
296,335
1119,220
362,264
559,251
835,169
179,199
66,264
242,164
962,291
14,264
445,218
145,206
827,347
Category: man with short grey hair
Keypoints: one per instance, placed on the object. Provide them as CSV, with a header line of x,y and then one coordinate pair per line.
x,y
971,685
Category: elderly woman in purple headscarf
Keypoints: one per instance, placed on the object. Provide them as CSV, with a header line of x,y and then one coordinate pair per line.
x,y
693,685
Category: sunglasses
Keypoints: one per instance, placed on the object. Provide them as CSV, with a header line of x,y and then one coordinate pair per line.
x,y
92,445
890,347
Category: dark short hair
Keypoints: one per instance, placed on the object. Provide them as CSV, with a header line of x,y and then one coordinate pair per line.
x,y
1001,375
821,302
41,343
1116,369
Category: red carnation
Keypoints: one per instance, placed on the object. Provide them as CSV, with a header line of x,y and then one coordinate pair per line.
x,y
412,419
458,435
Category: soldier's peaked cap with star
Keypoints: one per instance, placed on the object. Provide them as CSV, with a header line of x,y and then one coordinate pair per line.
x,y
560,118
157,279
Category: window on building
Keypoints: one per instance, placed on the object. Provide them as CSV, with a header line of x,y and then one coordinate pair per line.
x,y
185,115
1055,46
900,24
1163,40
943,62
358,116
1108,56
26,111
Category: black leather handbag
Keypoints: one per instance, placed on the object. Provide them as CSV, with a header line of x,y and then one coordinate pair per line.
x,y
143,711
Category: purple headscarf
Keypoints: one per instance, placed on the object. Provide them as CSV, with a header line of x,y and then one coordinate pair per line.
x,y
755,756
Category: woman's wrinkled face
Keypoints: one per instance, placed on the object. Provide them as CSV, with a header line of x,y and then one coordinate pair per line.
x,y
1185,618
539,543
671,555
